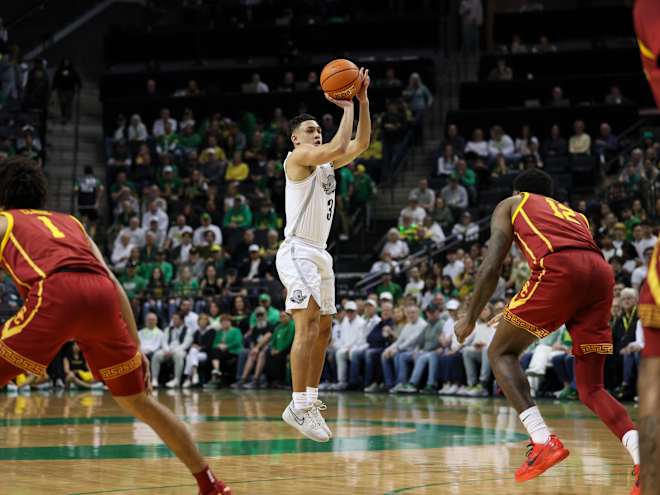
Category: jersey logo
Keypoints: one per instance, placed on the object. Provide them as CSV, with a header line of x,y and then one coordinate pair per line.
x,y
297,296
329,184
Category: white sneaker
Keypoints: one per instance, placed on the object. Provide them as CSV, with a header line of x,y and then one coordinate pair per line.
x,y
318,407
304,420
195,379
444,390
97,386
452,390
24,389
174,383
42,386
187,383
12,388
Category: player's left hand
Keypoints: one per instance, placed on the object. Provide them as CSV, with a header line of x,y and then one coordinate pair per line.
x,y
362,90
463,329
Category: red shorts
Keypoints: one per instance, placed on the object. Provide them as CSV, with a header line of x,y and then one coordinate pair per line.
x,y
74,306
572,287
649,314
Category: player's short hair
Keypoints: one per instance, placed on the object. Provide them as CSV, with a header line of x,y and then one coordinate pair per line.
x,y
295,122
533,181
22,184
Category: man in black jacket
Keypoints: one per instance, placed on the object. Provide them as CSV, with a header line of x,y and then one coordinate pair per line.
x,y
381,336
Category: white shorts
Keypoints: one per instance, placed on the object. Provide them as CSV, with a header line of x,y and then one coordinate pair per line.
x,y
306,271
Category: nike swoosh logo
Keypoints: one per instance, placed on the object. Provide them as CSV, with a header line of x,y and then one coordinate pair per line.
x,y
296,418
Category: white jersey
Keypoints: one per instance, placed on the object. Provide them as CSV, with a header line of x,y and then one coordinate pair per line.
x,y
310,205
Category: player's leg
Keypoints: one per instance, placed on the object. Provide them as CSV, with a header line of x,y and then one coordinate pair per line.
x,y
649,423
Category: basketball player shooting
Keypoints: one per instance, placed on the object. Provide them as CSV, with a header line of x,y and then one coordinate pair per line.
x,y
570,283
303,264
70,294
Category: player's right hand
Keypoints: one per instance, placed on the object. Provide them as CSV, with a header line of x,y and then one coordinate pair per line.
x,y
463,329
343,104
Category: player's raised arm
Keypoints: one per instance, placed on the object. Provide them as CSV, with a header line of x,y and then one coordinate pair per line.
x,y
311,155
499,244
363,136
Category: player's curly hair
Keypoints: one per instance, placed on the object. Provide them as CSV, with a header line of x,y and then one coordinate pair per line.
x,y
22,184
295,122
535,181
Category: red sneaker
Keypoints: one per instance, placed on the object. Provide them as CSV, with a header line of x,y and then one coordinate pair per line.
x,y
636,489
218,489
541,457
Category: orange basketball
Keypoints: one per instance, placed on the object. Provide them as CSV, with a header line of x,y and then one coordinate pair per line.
x,y
338,79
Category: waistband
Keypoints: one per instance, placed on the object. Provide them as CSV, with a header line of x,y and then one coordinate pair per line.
x,y
75,269
306,242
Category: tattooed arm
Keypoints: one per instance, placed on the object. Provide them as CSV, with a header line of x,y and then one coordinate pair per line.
x,y
499,244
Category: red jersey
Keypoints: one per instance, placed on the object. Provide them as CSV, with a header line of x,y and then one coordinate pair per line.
x,y
647,26
542,226
39,242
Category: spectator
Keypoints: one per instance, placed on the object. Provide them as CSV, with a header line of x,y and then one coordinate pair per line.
x,y
390,81
394,130
174,347
227,345
190,91
615,97
580,142
639,274
159,126
272,314
419,99
541,356
37,90
167,142
76,370
467,178
388,286
238,216
200,350
544,45
151,89
425,197
525,141
155,213
199,236
501,72
414,286
256,342
176,231
256,85
446,164
395,247
380,336
455,195
475,353
472,17
450,364
555,145
606,146
631,358
401,351
442,214
455,139
643,238
517,46
121,252
66,82
500,143
277,354
413,210
133,284
352,333
426,357
237,170
137,131
557,98
563,364
477,147
89,190
151,337
212,152
254,267
288,83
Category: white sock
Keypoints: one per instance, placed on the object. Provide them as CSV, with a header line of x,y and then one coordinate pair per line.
x,y
535,425
312,395
631,442
299,400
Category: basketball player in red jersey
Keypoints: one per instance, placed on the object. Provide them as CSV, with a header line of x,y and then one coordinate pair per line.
x,y
70,294
570,283
647,25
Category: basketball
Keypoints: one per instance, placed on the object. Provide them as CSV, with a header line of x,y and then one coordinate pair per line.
x,y
338,79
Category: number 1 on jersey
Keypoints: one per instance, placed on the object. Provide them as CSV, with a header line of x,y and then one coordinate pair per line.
x,y
57,233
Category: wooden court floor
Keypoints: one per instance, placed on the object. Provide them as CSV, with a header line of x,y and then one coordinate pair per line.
x,y
76,443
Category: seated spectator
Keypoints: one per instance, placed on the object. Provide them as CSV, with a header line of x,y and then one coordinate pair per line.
x,y
398,354
266,218
426,357
174,346
517,46
189,141
380,337
288,83
358,352
544,45
467,178
385,263
390,80
76,370
256,85
580,142
227,345
167,142
238,216
455,139
255,343
475,353
450,366
477,147
155,213
158,128
501,168
615,97
272,314
200,350
455,195
557,98
523,143
277,354
414,285
446,162
121,252
212,152
501,72
151,337
643,238
395,247
541,358
273,243
631,357
500,143
190,91
133,284
433,230
254,267
607,145
386,285
425,197
237,169
639,274
176,231
206,225
442,214
413,210
136,131
555,145
352,334
563,363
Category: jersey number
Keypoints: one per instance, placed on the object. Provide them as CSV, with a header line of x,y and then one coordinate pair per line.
x,y
57,233
562,211
331,203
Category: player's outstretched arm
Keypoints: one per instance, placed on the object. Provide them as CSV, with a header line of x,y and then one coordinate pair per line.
x,y
499,244
363,136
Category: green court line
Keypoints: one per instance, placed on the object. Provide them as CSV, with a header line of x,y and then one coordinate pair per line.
x,y
422,436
